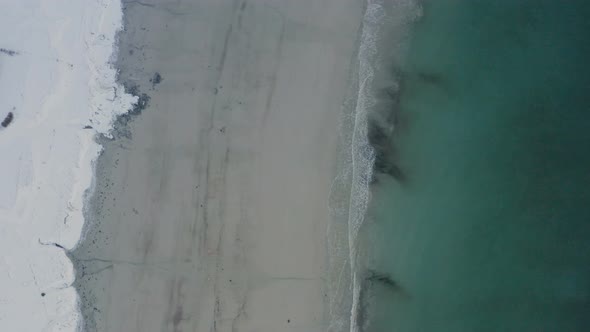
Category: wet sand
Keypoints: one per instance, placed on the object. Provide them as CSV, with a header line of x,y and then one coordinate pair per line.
x,y
211,207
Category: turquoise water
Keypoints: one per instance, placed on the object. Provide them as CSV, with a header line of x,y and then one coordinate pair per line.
x,y
483,222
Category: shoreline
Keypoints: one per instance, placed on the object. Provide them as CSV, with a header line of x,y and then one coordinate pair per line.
x,y
210,209
374,119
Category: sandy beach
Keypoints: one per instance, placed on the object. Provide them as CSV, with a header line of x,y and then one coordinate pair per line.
x,y
210,209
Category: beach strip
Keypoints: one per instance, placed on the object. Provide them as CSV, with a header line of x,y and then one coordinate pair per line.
x,y
211,207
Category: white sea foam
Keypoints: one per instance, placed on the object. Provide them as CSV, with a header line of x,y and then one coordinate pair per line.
x,y
363,155
58,81
384,34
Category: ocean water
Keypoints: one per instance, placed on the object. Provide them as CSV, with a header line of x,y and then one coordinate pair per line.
x,y
479,209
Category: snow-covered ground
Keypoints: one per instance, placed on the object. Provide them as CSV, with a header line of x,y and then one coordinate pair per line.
x,y
56,78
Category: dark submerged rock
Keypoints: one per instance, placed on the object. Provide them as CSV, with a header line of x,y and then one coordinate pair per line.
x,y
383,279
382,142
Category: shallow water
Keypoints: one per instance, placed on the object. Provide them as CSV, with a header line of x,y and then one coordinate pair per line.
x,y
488,228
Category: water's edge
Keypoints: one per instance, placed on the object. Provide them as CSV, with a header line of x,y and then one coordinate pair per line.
x,y
367,124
